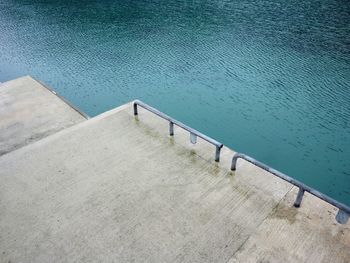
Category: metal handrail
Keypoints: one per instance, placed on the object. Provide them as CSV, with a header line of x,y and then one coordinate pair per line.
x,y
193,133
344,211
343,214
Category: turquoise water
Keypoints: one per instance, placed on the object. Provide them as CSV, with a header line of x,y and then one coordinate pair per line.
x,y
267,78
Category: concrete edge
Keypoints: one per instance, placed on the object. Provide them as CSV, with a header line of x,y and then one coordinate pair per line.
x,y
53,136
62,98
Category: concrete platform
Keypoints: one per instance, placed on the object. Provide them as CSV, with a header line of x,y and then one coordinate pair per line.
x,y
29,111
119,189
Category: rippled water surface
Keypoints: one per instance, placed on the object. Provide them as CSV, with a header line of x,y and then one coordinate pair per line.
x,y
267,78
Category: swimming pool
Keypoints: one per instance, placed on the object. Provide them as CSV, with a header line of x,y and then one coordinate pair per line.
x,y
267,78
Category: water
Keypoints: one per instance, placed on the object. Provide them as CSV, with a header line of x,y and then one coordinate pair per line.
x,y
267,78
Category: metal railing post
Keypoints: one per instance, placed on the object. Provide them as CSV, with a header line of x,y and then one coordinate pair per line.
x,y
299,198
234,162
171,128
135,109
217,154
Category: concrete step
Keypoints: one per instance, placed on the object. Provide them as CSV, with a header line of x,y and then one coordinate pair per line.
x,y
30,111
117,188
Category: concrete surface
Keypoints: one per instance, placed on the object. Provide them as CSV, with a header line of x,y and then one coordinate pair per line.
x,y
29,112
118,189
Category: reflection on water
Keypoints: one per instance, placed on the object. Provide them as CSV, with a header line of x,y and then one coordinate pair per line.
x,y
268,78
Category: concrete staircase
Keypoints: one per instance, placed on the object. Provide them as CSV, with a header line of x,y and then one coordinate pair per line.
x,y
116,188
